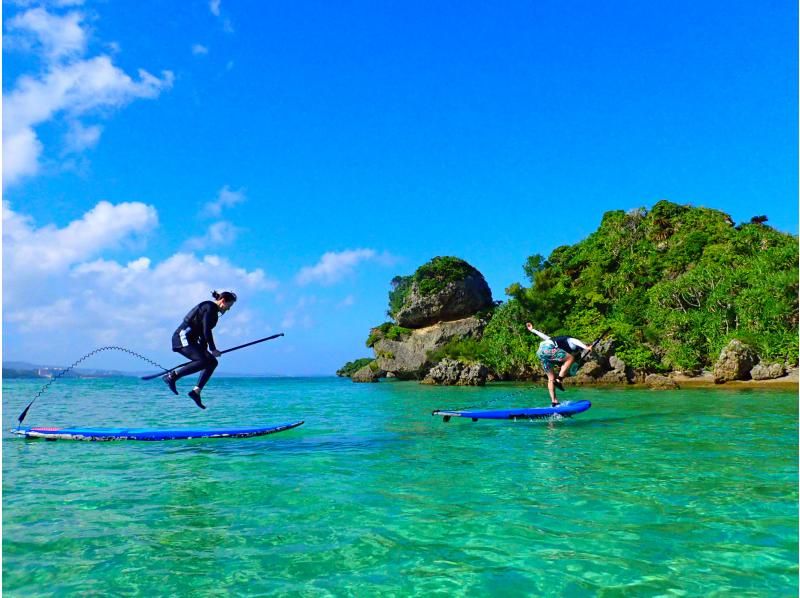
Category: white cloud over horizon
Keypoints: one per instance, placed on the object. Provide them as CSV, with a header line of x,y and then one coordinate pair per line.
x,y
69,85
58,278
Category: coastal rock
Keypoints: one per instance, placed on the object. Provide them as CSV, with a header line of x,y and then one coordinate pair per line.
x,y
591,369
474,375
588,374
735,362
447,372
617,374
659,382
451,372
614,377
616,364
768,372
407,359
455,301
369,373
636,376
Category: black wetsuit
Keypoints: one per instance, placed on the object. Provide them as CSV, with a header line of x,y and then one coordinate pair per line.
x,y
194,339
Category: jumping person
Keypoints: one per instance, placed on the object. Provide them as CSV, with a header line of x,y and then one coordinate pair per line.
x,y
194,340
559,350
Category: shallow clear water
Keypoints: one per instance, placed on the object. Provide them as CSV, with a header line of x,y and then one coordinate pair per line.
x,y
647,493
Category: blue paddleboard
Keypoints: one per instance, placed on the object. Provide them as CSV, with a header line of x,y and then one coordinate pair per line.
x,y
564,410
78,433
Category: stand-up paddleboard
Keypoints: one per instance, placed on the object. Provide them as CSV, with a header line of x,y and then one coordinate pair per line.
x,y
564,410
78,433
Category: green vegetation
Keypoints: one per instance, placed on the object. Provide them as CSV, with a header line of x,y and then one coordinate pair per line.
x,y
428,279
435,275
674,285
351,367
388,330
401,287
466,350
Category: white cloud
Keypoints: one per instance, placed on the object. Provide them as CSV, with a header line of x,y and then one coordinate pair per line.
x,y
333,266
21,151
123,300
80,137
298,315
225,199
199,49
58,278
346,302
214,7
69,86
56,36
42,317
27,248
219,233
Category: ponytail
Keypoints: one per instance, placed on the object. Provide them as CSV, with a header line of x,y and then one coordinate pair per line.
x,y
228,296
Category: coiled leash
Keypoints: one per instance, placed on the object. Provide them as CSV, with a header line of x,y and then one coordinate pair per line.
x,y
85,357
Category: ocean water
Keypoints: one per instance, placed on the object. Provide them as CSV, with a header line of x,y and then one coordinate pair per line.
x,y
683,493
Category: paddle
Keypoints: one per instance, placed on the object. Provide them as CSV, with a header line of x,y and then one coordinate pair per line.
x,y
585,353
579,362
261,340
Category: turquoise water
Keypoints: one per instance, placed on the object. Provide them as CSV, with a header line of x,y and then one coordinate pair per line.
x,y
672,493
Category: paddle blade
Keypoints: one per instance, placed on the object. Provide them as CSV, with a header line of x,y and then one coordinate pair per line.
x,y
24,413
153,376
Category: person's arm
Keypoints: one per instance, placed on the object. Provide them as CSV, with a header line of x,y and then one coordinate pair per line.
x,y
541,335
209,321
578,343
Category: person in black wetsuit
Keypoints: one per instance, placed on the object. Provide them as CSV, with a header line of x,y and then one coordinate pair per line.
x,y
194,339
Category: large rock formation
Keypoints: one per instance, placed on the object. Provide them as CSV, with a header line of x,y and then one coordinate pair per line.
x,y
735,362
438,304
454,301
408,358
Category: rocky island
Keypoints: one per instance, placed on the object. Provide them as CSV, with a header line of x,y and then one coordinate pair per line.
x,y
688,298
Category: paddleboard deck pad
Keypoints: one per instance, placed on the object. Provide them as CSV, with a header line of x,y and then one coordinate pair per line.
x,y
78,433
563,410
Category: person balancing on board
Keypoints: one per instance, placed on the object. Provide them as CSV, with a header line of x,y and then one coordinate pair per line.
x,y
194,339
557,351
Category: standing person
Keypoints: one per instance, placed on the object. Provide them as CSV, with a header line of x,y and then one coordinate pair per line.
x,y
194,339
561,351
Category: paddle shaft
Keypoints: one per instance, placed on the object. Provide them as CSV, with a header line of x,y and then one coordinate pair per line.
x,y
585,354
261,340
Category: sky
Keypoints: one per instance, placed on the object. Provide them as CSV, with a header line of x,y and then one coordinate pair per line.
x,y
304,153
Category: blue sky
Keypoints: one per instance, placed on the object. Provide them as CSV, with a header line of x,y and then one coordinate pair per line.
x,y
304,153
